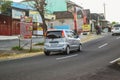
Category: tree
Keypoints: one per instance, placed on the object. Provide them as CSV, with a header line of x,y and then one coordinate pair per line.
x,y
5,6
40,7
115,22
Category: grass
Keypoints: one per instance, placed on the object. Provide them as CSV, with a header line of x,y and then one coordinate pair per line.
x,y
18,52
17,48
40,43
6,54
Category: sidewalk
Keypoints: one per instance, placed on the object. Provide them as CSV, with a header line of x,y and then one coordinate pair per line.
x,y
13,37
8,37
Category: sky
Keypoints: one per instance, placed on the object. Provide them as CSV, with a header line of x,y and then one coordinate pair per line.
x,y
97,6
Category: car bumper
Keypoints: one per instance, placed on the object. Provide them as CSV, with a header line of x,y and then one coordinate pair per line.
x,y
55,49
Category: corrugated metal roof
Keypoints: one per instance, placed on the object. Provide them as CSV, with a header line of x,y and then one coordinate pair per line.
x,y
21,6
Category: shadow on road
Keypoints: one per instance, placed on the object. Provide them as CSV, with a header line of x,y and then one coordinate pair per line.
x,y
114,66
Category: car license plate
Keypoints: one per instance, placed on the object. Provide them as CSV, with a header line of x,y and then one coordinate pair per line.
x,y
54,44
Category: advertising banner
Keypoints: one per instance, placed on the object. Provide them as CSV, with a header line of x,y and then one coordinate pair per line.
x,y
26,28
86,28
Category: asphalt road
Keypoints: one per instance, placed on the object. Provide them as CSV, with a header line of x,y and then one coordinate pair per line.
x,y
96,55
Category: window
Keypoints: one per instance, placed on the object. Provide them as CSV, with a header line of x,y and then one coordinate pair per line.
x,y
54,34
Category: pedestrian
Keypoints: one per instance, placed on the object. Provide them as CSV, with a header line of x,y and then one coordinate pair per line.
x,y
98,29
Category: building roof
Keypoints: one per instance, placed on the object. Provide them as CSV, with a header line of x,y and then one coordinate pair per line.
x,y
66,14
63,15
87,13
21,6
97,16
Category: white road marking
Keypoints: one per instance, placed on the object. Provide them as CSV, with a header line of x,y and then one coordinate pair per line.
x,y
114,60
66,57
103,45
118,38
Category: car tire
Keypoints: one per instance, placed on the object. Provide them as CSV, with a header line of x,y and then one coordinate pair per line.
x,y
67,50
80,48
47,53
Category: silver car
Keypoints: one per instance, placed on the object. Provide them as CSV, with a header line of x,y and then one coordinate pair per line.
x,y
116,29
61,41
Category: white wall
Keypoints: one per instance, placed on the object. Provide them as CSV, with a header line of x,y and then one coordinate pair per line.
x,y
69,22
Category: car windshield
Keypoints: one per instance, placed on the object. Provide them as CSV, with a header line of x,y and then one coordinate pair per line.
x,y
54,34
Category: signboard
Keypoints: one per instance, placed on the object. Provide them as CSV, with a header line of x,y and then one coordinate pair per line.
x,y
17,13
26,28
86,28
39,31
36,16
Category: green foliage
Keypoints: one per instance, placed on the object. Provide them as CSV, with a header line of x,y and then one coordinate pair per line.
x,y
114,22
17,48
5,5
40,43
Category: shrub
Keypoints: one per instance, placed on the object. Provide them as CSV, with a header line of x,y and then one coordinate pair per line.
x,y
17,48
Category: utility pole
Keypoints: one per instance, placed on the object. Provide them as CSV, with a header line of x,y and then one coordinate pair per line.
x,y
104,10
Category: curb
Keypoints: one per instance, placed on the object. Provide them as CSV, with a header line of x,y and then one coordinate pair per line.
x,y
20,56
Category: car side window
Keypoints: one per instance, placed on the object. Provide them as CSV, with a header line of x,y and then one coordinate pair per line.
x,y
68,33
74,35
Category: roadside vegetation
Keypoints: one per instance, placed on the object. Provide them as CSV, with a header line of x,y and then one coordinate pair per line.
x,y
16,50
39,43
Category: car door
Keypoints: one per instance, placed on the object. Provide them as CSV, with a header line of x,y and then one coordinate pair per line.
x,y
76,40
70,39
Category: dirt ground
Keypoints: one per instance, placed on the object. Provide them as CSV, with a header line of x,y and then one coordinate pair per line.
x,y
111,72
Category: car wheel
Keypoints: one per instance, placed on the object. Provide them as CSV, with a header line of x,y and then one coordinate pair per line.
x,y
80,47
47,53
67,50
